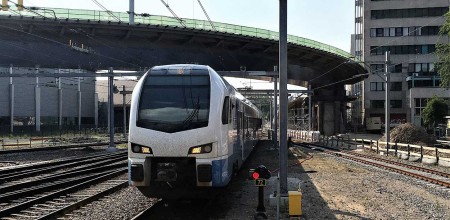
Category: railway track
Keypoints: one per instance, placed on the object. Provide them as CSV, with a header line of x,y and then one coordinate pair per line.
x,y
18,172
147,212
178,210
429,175
52,189
435,172
32,149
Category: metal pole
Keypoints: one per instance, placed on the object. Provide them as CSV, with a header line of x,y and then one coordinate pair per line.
x,y
275,112
131,12
309,110
388,102
37,101
111,147
60,113
79,103
270,115
124,113
11,100
283,98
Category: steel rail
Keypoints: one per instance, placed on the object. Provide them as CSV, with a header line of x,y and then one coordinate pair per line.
x,y
33,172
31,183
84,202
8,196
143,215
436,172
57,147
19,168
401,171
404,172
86,184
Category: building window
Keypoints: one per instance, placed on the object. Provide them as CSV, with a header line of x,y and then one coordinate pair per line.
x,y
404,31
373,32
377,103
396,86
408,13
379,68
396,103
380,32
377,86
420,104
422,69
399,31
431,30
391,32
397,68
403,49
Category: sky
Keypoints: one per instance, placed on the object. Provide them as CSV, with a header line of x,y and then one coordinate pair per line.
x,y
326,21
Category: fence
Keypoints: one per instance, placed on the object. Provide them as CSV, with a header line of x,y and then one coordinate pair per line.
x,y
426,154
312,136
26,137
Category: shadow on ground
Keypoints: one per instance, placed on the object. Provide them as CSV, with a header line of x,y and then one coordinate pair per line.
x,y
240,198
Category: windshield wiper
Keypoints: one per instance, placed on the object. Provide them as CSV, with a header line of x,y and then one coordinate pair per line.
x,y
191,116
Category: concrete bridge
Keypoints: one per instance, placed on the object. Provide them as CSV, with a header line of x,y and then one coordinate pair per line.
x,y
91,40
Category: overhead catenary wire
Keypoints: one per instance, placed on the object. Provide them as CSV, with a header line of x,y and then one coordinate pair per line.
x,y
173,13
107,11
206,14
26,8
329,71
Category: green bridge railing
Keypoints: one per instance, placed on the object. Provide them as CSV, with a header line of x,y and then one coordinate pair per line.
x,y
93,15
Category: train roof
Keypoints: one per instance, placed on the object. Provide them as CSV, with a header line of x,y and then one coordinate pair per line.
x,y
184,68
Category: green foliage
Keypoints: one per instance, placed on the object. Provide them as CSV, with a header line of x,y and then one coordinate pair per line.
x,y
409,134
443,54
435,111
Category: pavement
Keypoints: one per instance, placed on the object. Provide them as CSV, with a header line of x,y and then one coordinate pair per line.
x,y
241,198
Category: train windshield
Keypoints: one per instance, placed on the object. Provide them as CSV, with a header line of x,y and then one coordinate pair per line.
x,y
174,102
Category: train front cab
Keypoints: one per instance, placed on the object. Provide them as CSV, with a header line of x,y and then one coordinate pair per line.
x,y
179,161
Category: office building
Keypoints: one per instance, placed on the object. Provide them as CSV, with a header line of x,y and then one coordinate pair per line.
x,y
409,29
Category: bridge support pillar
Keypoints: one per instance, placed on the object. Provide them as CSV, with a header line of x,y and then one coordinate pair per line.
x,y
330,111
329,117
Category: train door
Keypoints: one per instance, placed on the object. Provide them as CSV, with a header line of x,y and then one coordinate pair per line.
x,y
239,131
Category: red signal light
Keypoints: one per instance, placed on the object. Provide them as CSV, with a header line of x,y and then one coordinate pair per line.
x,y
255,175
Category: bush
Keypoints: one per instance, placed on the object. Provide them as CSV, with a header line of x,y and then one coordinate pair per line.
x,y
410,134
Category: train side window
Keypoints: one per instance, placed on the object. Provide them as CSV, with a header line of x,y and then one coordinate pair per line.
x,y
225,110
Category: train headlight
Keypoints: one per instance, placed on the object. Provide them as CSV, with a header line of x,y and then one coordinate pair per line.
x,y
140,149
203,149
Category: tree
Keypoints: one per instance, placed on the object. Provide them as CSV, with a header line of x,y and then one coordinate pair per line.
x,y
443,54
435,111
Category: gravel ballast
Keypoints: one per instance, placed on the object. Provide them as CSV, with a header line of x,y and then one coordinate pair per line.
x,y
332,188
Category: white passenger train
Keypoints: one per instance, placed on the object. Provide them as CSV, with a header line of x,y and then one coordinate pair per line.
x,y
189,131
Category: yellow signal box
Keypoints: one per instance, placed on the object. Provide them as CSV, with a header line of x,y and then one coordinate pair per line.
x,y
295,203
